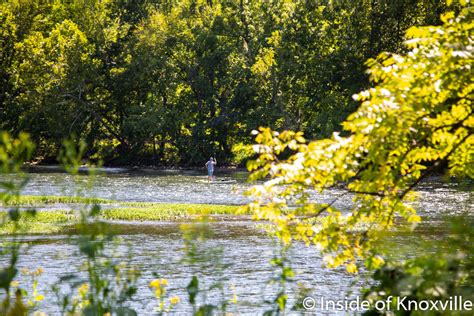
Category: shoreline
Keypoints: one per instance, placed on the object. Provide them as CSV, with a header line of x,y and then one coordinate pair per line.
x,y
138,166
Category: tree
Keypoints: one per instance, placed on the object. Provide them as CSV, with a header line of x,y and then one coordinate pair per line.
x,y
177,81
416,120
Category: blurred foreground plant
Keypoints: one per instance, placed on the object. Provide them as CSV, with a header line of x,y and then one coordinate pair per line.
x,y
165,303
110,281
415,121
283,275
206,260
14,152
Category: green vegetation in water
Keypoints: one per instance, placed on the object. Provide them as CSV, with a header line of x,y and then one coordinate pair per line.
x,y
60,221
47,222
33,200
157,212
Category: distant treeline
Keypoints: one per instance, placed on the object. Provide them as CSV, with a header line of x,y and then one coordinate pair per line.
x,y
174,81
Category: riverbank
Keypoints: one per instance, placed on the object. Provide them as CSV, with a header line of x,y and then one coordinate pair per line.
x,y
61,214
227,168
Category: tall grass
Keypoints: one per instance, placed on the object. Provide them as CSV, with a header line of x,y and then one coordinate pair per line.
x,y
47,222
59,221
157,212
33,200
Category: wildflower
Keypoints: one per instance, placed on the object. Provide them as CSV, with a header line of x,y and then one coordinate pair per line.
x,y
39,298
155,283
175,300
160,291
83,289
158,282
38,271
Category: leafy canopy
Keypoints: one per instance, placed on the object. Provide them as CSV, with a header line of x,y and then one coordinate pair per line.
x,y
166,82
416,119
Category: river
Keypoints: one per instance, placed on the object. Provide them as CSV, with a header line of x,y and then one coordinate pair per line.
x,y
244,248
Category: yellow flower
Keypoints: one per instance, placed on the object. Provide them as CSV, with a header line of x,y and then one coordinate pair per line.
x,y
158,282
39,298
159,292
38,271
155,283
83,289
14,283
175,300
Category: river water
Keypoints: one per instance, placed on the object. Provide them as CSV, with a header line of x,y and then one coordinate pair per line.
x,y
244,248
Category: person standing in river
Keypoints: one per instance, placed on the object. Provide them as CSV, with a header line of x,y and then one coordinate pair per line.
x,y
210,169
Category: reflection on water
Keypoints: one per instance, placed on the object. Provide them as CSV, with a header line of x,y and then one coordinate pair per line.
x,y
247,249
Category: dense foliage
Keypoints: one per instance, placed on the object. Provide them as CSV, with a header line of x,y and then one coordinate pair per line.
x,y
417,119
177,81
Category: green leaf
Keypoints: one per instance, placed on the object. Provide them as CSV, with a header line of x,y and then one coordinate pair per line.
x,y
193,290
